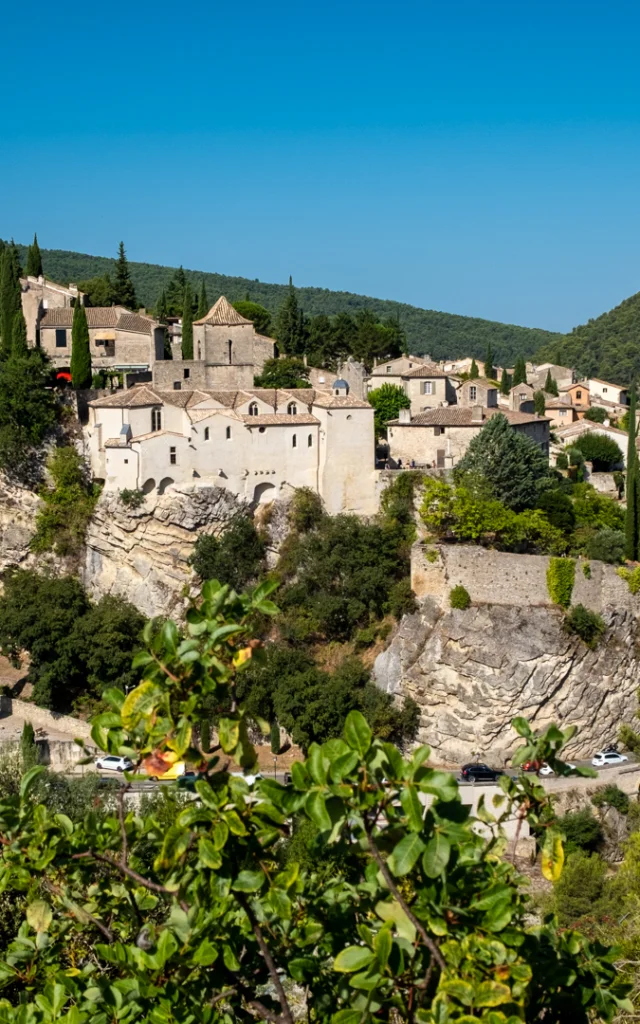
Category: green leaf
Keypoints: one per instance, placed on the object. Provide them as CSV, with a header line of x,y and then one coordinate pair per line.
x,y
205,954
353,958
405,854
382,945
28,780
140,703
175,844
39,915
412,808
357,732
392,911
170,635
231,961
460,990
229,734
316,809
491,993
522,727
436,855
249,881
347,1017
208,854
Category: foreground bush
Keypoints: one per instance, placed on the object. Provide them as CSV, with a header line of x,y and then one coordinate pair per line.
x,y
197,918
586,624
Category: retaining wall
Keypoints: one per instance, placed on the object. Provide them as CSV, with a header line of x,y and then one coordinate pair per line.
x,y
40,718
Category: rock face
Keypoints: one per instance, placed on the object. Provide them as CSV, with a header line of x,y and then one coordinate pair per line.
x,y
142,554
472,671
18,508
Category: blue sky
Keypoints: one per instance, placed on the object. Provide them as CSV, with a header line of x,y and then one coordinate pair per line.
x,y
478,158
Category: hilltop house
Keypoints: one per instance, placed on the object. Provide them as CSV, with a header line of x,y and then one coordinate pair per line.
x,y
567,435
425,384
578,396
560,411
38,296
564,376
118,338
253,441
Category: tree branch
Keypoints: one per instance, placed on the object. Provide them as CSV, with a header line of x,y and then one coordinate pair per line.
x,y
386,874
287,1015
140,879
79,912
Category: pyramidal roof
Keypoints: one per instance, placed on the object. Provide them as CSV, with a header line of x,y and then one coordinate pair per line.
x,y
222,314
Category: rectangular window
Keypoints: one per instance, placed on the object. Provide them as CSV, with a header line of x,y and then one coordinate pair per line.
x,y
206,433
172,456
427,387
604,391
578,394
156,419
473,393
228,433
61,337
388,369
186,374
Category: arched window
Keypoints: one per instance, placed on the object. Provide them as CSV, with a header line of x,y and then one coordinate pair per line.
x,y
253,409
206,433
156,419
228,433
310,441
292,409
294,441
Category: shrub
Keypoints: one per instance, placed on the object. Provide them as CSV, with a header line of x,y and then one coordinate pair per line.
x,y
67,507
602,451
274,738
402,600
580,886
132,499
586,570
618,479
98,380
611,796
596,414
586,624
235,558
560,579
558,509
387,400
431,555
582,830
607,546
562,461
597,510
459,597
632,576
306,510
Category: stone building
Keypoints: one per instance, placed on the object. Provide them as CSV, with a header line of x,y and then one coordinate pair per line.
x,y
254,441
521,398
441,437
478,391
39,296
560,411
578,396
425,384
564,376
118,338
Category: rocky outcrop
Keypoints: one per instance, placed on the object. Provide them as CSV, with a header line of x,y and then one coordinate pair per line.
x,y
472,671
142,553
18,508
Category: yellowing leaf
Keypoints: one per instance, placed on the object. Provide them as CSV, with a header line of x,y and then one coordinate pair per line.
x,y
244,654
552,857
139,704
39,915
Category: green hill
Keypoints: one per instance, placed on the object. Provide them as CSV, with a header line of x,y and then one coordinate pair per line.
x,y
607,347
443,335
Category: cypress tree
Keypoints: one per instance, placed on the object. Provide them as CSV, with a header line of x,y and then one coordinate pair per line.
x,y
539,402
505,383
187,323
519,372
10,296
34,259
80,351
489,368
203,302
161,308
290,326
631,522
551,385
474,372
19,335
124,294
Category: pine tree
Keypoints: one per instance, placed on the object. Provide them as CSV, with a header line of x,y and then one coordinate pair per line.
x,y
80,350
175,293
505,383
19,345
10,296
474,372
631,522
203,302
519,372
34,259
551,385
161,308
290,325
489,368
187,323
124,294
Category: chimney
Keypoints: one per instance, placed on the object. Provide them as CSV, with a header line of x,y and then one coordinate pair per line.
x,y
477,414
405,416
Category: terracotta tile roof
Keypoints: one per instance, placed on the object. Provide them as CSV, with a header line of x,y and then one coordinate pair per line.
x,y
428,370
325,401
139,395
99,316
460,416
620,387
195,415
482,381
222,314
580,384
589,426
280,420
559,403
136,323
157,433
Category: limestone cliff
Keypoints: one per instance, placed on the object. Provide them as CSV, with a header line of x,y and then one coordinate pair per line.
x,y
18,508
472,671
142,554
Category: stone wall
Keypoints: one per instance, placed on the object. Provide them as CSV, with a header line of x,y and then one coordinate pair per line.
x,y
40,718
18,508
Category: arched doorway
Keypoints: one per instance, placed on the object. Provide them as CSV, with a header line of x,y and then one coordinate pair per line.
x,y
264,493
164,483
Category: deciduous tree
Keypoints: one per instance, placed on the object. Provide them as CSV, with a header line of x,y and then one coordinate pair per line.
x,y
387,400
286,372
253,311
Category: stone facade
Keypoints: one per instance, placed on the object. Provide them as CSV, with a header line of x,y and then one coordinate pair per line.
x,y
18,508
118,338
40,295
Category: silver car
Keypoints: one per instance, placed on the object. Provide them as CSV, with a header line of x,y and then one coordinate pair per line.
x,y
606,757
114,764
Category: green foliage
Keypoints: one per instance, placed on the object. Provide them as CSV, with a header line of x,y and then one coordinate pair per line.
x,y
582,831
187,322
558,509
560,578
580,887
189,915
511,463
474,372
586,570
519,372
62,520
260,317
551,385
124,293
539,402
203,303
28,413
28,748
235,558
402,600
596,414
290,326
632,578
286,372
459,597
274,738
132,498
602,451
505,383
562,461
489,368
632,486
10,296
596,510
75,648
611,796
387,400
34,259
607,546
80,350
98,291
586,624
306,511
19,345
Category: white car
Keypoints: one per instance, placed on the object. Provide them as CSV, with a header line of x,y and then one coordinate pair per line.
x,y
114,764
547,770
606,757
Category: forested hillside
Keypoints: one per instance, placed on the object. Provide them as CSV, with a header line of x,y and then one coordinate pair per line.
x,y
607,347
443,335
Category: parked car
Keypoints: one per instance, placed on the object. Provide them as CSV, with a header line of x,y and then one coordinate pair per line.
x,y
546,769
532,766
479,773
174,772
188,780
112,763
604,758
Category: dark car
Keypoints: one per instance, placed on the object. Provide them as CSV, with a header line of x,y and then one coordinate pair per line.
x,y
479,773
188,780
